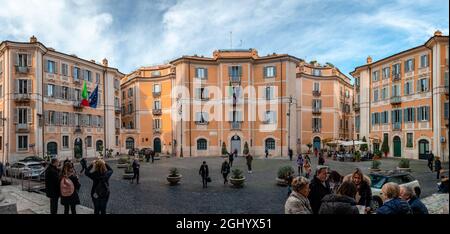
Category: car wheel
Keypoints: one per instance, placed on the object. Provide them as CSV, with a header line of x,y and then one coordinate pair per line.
x,y
376,203
417,191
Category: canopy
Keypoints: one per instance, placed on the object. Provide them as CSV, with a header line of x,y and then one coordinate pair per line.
x,y
351,143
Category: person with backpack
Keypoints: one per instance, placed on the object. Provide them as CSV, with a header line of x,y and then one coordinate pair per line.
x,y
83,163
52,188
225,170
100,186
69,187
135,167
204,173
152,154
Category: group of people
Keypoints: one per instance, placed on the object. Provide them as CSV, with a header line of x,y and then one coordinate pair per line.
x,y
304,165
437,164
62,182
331,193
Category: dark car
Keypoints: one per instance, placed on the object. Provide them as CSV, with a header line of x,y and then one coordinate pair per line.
x,y
378,179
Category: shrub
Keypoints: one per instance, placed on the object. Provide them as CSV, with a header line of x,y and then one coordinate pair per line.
x,y
357,156
246,150
285,171
122,160
236,174
174,172
364,146
385,146
224,149
376,164
129,169
404,163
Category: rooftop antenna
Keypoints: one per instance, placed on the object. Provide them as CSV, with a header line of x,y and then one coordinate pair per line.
x,y
241,44
231,39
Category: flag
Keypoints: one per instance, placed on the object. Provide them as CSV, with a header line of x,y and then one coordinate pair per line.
x,y
84,95
93,99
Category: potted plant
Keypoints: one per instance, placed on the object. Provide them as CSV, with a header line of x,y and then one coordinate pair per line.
x,y
375,165
363,146
283,175
385,147
174,176
224,150
377,154
236,178
128,173
357,156
309,145
403,165
122,162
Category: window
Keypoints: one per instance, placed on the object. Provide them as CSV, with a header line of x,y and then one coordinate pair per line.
x,y
347,93
117,123
156,88
375,76
236,116
23,60
50,90
23,86
422,85
65,69
317,72
316,123
384,93
88,120
423,113
270,117
375,118
65,119
130,92
396,116
201,93
97,78
51,118
157,124
116,84
424,61
409,115
269,72
317,104
89,141
87,75
357,122
76,73
117,140
409,140
22,144
316,86
408,88
270,144
384,117
156,73
51,66
77,94
202,144
269,93
123,94
235,72
201,73
446,110
396,69
386,72
65,93
23,115
130,108
157,105
395,91
65,142
375,95
77,119
409,65
1,71
446,79
201,117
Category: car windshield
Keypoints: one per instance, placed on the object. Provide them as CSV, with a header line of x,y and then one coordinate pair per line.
x,y
377,181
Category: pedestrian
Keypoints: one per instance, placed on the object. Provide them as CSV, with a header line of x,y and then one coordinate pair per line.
x,y
297,202
152,154
443,186
335,180
343,202
307,167
437,167
321,160
319,188
69,186
290,153
363,191
135,165
231,158
249,159
392,203
52,186
83,163
307,158
267,153
147,153
2,171
316,152
225,170
430,160
289,179
407,194
300,162
204,173
235,153
100,184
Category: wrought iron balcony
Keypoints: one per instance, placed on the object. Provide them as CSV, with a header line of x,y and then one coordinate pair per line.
x,y
316,130
22,69
156,93
157,111
316,111
396,100
316,93
156,130
22,97
77,129
236,125
396,77
204,122
235,79
397,126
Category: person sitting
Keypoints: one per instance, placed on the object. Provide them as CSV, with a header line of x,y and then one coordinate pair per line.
x,y
343,202
408,194
392,203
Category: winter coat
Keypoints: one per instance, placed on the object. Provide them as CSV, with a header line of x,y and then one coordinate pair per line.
x,y
204,172
395,206
249,159
437,165
417,206
338,204
74,198
297,204
300,161
52,188
135,165
364,190
231,157
97,177
225,168
317,193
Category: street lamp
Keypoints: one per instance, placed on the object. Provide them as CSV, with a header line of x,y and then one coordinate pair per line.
x,y
180,111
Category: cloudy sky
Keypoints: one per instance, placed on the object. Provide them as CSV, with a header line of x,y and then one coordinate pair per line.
x,y
137,33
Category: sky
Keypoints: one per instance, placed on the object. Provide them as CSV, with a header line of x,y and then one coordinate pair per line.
x,y
136,33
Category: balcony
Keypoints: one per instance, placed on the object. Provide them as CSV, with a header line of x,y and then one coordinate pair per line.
x,y
316,111
316,130
204,98
235,79
156,93
22,97
396,100
117,131
204,122
22,69
316,93
446,90
356,106
77,106
117,110
157,130
77,129
157,111
236,125
396,77
22,127
397,126
76,81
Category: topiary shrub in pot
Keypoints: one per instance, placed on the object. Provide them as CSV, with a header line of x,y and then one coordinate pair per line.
x,y
236,178
357,156
174,176
128,173
403,165
375,166
123,162
283,175
224,150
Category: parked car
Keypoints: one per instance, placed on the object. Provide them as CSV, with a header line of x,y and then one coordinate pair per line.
x,y
25,170
32,159
378,179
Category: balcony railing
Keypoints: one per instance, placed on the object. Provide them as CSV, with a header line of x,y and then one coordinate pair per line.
x,y
157,111
316,111
204,122
397,126
396,100
316,130
77,105
22,97
22,69
396,77
77,129
117,109
356,106
235,79
316,93
156,93
236,125
22,127
156,130
76,80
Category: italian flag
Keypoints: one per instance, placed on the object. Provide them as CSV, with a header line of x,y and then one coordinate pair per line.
x,y
84,95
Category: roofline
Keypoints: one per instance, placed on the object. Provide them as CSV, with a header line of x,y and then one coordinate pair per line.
x,y
208,59
327,77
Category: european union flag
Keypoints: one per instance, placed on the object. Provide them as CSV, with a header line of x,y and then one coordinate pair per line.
x,y
93,98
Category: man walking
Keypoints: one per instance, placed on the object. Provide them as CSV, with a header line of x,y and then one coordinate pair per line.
x,y
437,167
249,159
266,152
136,167
430,160
231,158
52,184
204,173
152,154
290,153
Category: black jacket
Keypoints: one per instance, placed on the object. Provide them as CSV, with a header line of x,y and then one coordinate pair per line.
x,y
96,177
83,162
204,172
136,165
417,206
318,191
231,156
74,198
225,168
366,194
52,189
437,165
338,204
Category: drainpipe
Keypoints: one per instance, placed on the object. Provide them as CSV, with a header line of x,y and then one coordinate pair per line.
x,y
104,111
42,101
281,94
190,106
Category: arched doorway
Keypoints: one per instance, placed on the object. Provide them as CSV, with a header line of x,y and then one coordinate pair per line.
x,y
52,148
316,143
157,145
99,145
424,148
78,148
397,146
129,143
236,144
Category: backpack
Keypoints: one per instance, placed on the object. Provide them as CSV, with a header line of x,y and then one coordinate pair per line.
x,y
67,187
101,190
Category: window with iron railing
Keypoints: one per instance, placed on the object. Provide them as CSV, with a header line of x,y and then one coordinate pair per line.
x,y
235,73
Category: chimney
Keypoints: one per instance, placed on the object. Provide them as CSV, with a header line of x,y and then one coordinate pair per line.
x,y
369,60
105,62
33,39
438,33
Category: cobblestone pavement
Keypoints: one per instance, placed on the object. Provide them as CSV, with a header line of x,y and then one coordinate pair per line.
x,y
260,193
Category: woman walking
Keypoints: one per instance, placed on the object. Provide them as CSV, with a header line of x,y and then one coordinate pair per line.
x,y
70,186
225,170
100,186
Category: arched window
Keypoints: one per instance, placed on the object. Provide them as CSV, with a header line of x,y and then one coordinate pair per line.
x,y
202,144
129,143
270,143
99,145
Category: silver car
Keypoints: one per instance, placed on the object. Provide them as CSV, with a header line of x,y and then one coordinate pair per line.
x,y
25,170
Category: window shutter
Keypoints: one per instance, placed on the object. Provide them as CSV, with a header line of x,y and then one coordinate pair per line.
x,y
426,85
274,115
229,71
28,60
418,86
399,116
46,65
413,110
274,71
392,116
29,115
413,64
406,65
29,86
240,71
427,111
16,114
56,68
17,86
206,73
206,92
196,72
46,117
17,59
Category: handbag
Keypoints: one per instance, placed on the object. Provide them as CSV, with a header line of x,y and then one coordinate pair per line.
x,y
208,179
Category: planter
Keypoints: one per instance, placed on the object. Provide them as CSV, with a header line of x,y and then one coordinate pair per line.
x,y
157,158
128,176
173,180
124,165
374,170
404,169
281,182
237,182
